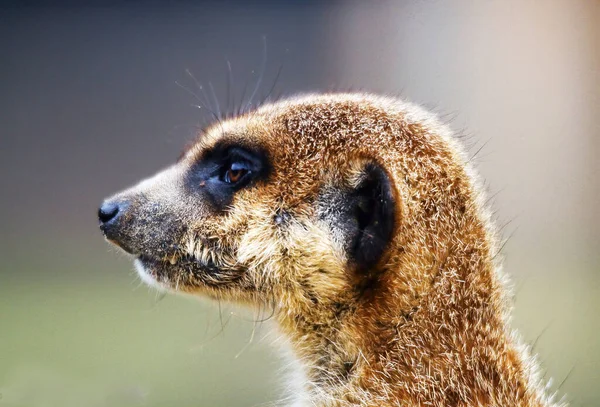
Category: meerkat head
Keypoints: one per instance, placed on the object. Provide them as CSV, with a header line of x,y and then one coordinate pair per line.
x,y
275,202
298,202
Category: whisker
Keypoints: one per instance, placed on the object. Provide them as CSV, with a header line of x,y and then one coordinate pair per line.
x,y
229,86
479,150
504,243
273,86
193,94
212,90
206,102
269,317
241,106
250,340
220,314
158,297
261,74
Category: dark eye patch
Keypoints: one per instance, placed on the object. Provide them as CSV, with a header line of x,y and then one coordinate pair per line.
x,y
210,178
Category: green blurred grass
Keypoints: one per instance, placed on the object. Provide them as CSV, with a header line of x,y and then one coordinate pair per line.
x,y
104,342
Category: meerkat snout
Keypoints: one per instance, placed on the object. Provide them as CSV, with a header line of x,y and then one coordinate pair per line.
x,y
358,219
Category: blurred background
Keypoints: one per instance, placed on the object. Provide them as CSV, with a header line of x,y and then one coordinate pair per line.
x,y
89,104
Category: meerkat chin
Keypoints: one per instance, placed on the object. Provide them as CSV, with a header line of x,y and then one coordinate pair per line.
x,y
361,219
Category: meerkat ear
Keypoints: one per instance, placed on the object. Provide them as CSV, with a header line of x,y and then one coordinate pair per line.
x,y
374,215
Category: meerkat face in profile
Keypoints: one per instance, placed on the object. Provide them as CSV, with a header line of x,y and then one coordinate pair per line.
x,y
261,208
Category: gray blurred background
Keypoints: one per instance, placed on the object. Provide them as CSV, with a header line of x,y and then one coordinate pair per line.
x,y
89,104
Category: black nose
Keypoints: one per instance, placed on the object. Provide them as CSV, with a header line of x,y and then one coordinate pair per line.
x,y
115,226
108,211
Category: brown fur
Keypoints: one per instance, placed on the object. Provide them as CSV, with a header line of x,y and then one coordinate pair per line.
x,y
426,327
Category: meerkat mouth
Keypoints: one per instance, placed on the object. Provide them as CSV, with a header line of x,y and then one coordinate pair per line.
x,y
171,270
163,266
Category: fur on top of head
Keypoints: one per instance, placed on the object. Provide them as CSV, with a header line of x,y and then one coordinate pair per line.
x,y
359,220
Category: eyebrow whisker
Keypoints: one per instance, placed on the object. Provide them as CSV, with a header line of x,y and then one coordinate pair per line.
x,y
260,76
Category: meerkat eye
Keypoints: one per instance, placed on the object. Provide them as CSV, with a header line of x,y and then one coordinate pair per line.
x,y
224,170
235,172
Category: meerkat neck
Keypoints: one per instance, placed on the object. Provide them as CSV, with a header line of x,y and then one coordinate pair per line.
x,y
425,309
374,341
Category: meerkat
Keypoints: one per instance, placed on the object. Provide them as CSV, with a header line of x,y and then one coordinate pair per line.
x,y
359,219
